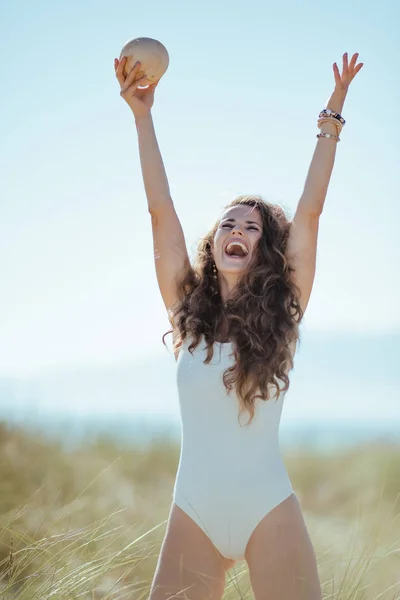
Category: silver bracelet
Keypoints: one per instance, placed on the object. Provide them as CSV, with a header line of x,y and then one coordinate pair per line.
x,y
328,136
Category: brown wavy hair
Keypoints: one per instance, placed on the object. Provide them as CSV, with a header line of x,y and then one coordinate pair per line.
x,y
262,315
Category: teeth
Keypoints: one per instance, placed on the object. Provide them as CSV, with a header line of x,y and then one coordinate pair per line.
x,y
237,243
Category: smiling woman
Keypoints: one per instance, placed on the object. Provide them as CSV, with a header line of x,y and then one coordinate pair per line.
x,y
250,299
241,300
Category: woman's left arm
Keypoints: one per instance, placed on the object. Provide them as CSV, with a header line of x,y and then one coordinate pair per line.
x,y
302,243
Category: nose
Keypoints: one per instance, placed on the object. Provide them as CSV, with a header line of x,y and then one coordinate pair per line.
x,y
236,230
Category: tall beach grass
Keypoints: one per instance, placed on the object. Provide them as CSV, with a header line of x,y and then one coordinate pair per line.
x,y
88,523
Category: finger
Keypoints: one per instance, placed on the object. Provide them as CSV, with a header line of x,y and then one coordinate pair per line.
x,y
132,74
353,60
133,87
152,86
151,90
120,70
338,79
345,62
358,68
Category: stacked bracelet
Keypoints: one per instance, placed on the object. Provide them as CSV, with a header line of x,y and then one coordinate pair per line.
x,y
329,116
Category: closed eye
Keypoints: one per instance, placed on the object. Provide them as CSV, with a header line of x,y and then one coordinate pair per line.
x,y
230,226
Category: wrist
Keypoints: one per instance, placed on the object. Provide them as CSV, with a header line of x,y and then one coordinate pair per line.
x,y
337,100
142,118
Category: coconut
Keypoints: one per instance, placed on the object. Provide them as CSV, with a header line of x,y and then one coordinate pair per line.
x,y
152,55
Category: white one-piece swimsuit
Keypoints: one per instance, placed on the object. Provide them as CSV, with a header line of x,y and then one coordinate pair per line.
x,y
230,475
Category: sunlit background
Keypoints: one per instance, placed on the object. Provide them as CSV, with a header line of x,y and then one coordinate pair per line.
x,y
81,317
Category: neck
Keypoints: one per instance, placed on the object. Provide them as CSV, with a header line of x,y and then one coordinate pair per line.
x,y
227,284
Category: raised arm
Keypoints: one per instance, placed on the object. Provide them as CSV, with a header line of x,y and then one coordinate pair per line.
x,y
170,253
320,170
140,101
302,243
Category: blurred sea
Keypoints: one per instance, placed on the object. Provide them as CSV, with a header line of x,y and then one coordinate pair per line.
x,y
128,430
345,390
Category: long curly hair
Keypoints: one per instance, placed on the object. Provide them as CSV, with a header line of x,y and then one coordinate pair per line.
x,y
262,316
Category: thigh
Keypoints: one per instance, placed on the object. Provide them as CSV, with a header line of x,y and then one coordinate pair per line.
x,y
280,556
189,566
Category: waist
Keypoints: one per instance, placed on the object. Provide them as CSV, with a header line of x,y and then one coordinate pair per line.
x,y
257,473
211,457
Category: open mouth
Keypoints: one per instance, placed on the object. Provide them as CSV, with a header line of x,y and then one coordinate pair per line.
x,y
236,249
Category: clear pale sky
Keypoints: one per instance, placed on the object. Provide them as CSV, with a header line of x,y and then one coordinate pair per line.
x,y
235,113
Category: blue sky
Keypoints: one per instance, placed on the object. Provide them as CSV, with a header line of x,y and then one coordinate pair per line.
x,y
235,113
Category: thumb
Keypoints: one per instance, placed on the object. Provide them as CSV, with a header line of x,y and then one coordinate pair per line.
x,y
152,88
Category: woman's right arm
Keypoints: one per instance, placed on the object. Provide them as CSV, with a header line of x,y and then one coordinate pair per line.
x,y
170,253
153,171
169,246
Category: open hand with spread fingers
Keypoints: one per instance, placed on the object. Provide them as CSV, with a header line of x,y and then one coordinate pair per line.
x,y
139,99
349,71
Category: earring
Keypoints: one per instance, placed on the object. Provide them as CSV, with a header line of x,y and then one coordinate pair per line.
x,y
215,271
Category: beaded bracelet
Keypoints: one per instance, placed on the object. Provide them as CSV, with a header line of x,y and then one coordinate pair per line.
x,y
327,112
328,135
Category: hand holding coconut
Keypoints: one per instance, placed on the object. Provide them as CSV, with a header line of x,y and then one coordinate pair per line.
x,y
139,99
142,62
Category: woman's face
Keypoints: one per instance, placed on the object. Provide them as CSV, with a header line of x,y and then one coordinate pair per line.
x,y
243,224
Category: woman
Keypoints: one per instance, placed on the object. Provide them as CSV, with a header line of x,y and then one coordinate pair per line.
x,y
235,316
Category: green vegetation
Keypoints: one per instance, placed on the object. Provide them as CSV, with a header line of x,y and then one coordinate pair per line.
x,y
88,523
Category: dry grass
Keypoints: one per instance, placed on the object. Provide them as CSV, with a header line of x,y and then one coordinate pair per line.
x,y
88,524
